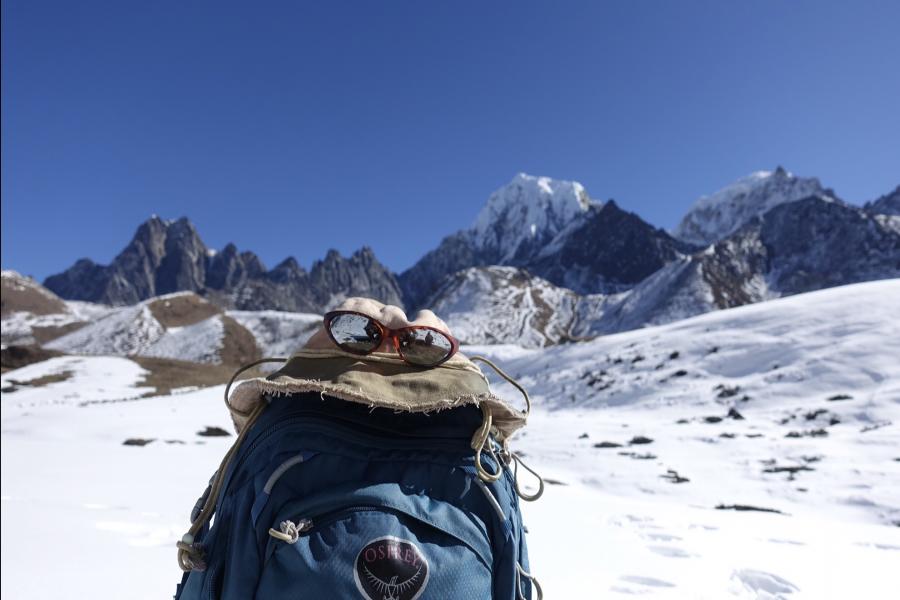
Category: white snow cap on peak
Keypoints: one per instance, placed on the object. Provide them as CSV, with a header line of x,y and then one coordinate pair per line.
x,y
718,215
525,208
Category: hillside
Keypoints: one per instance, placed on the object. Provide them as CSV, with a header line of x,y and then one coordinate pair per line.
x,y
180,326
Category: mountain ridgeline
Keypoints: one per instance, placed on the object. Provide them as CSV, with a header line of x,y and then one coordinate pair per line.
x,y
169,256
544,260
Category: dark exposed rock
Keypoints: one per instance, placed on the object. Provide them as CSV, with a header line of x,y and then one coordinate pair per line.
x,y
889,204
138,441
747,507
734,414
840,397
211,431
638,456
809,433
725,391
640,439
608,250
674,477
788,469
607,445
875,426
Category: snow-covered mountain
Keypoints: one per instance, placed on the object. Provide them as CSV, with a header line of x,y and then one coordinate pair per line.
x,y
522,217
747,453
796,247
717,216
556,232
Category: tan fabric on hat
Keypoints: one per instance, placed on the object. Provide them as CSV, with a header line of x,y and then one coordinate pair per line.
x,y
381,378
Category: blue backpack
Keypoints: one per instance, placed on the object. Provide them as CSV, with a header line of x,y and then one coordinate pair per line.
x,y
324,498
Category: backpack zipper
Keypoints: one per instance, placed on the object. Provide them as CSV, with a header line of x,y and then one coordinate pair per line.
x,y
289,531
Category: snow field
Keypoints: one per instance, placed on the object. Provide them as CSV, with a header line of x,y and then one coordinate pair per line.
x,y
613,523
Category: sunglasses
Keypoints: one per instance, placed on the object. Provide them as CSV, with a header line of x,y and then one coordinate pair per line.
x,y
418,345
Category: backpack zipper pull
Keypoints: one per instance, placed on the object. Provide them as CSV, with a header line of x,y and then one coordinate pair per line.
x,y
290,531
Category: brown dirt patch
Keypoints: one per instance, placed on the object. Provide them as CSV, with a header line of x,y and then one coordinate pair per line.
x,y
167,374
238,344
42,335
27,295
15,357
38,381
182,310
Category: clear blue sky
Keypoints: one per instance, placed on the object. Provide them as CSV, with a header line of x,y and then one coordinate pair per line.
x,y
292,127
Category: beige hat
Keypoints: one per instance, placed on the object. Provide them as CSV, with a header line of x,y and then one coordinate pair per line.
x,y
381,379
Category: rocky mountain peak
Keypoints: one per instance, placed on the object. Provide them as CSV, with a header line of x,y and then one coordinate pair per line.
x,y
526,213
287,270
169,256
718,215
889,204
183,266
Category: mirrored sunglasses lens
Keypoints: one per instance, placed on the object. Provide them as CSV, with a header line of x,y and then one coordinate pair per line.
x,y
424,346
355,333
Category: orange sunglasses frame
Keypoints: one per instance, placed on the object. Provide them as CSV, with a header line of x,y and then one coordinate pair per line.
x,y
392,334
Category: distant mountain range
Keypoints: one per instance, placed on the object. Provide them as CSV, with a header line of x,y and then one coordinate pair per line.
x,y
169,256
542,263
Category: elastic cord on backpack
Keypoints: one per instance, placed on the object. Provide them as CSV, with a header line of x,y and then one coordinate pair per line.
x,y
190,555
481,439
244,413
509,379
526,497
520,573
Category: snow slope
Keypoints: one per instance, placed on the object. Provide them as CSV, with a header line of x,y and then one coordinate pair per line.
x,y
33,314
134,330
492,304
125,331
612,524
277,333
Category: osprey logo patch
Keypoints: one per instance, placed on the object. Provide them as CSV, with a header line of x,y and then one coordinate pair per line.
x,y
391,569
